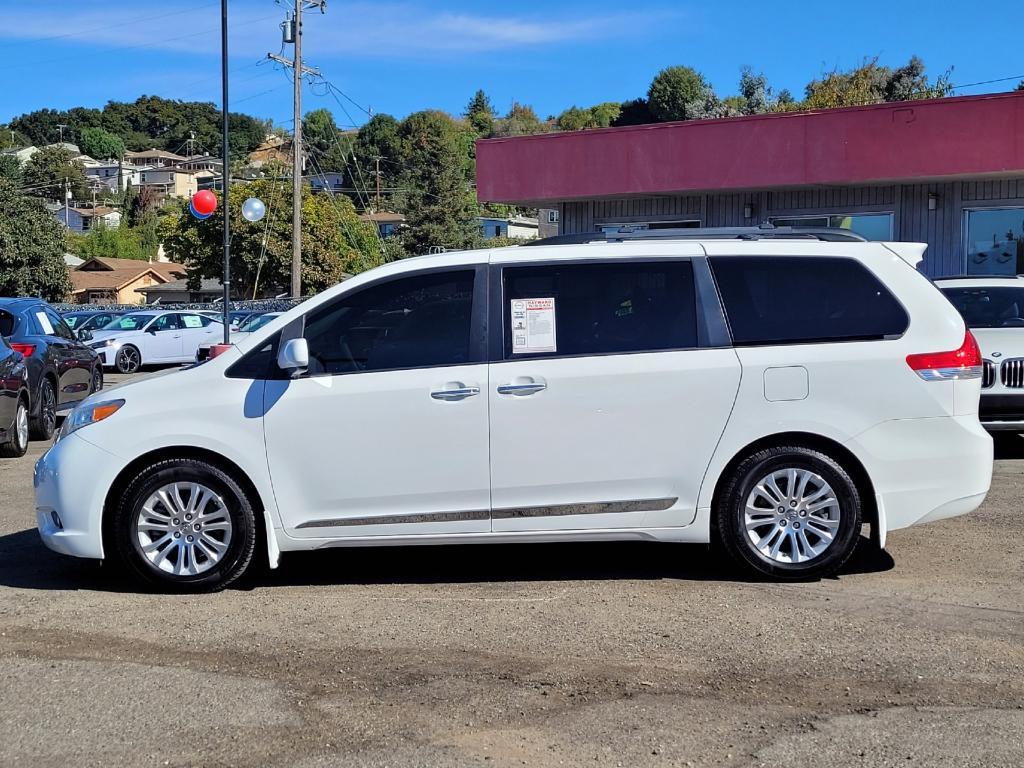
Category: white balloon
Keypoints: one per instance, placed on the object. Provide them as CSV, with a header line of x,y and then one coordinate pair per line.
x,y
253,209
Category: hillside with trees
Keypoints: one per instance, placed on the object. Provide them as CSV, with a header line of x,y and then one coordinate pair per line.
x,y
424,165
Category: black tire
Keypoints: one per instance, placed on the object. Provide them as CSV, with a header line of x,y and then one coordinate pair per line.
x,y
44,423
97,379
17,446
126,541
731,522
128,359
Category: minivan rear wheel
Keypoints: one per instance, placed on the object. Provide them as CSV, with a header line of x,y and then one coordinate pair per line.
x,y
789,512
185,525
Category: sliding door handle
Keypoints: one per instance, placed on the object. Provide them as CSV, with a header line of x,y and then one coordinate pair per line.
x,y
522,389
458,393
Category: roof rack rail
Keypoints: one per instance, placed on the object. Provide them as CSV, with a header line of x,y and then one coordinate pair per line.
x,y
978,277
762,232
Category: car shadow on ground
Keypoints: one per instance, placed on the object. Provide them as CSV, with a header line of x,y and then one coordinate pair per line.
x,y
1008,445
26,564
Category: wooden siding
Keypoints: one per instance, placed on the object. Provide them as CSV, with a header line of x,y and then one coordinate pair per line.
x,y
941,229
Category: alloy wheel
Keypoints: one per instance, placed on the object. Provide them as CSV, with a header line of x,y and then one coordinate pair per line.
x,y
48,408
791,516
184,528
21,424
128,360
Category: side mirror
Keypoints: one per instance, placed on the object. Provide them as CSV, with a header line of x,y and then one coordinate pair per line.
x,y
85,335
294,357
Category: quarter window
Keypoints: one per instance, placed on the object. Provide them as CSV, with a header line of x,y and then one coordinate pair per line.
x,y
413,322
606,308
779,300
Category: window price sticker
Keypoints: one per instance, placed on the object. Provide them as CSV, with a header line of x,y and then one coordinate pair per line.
x,y
533,326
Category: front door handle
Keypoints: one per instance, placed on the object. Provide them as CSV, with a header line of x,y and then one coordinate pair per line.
x,y
522,389
455,394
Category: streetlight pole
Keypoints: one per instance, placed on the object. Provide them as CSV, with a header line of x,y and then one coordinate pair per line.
x,y
297,159
226,169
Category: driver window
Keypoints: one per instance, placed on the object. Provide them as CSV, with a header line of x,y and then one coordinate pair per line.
x,y
412,322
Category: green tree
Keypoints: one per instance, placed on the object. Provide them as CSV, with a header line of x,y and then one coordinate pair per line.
x,y
682,93
101,144
10,168
47,171
521,120
32,245
380,138
10,138
324,140
441,208
599,116
121,242
334,240
872,83
480,114
634,112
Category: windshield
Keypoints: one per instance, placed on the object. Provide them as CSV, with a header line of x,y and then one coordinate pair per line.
x,y
989,307
128,323
256,322
73,320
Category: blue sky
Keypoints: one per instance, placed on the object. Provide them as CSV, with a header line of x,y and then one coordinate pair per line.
x,y
399,56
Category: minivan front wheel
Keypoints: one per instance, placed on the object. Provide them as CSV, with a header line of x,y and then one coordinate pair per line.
x,y
185,525
790,512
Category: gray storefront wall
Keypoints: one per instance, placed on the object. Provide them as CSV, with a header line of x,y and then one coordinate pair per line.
x,y
942,227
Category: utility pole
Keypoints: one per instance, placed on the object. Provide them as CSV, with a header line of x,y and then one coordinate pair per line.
x,y
67,203
225,169
61,127
376,160
292,29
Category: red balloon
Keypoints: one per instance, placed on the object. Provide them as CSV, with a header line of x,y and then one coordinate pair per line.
x,y
205,202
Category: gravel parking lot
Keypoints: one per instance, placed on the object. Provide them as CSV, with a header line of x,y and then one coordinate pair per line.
x,y
617,654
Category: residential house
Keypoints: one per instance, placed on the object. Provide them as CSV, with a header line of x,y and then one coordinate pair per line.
x,y
518,226
115,281
330,181
84,219
158,158
202,163
178,291
169,181
274,150
21,154
547,220
387,223
105,175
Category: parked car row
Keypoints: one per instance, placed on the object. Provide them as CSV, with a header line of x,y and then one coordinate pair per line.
x,y
50,362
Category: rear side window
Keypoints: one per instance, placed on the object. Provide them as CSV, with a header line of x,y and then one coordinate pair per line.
x,y
600,308
7,324
783,299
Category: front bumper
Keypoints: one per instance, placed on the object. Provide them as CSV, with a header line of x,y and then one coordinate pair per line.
x,y
1002,412
71,482
107,355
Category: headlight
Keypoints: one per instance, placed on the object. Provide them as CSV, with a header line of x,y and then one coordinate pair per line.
x,y
88,414
105,343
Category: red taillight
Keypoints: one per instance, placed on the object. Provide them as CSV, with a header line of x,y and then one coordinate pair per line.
x,y
962,363
25,349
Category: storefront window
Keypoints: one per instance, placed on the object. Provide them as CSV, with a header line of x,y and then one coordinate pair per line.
x,y
871,226
995,241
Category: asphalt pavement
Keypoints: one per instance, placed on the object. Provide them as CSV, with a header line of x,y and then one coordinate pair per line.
x,y
545,655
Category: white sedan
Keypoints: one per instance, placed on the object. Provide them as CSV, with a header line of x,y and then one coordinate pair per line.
x,y
143,338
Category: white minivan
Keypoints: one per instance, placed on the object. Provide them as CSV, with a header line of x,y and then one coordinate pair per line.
x,y
767,390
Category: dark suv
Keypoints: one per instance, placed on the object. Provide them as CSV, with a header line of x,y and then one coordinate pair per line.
x,y
61,369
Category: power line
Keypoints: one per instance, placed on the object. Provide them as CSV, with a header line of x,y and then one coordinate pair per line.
x,y
987,82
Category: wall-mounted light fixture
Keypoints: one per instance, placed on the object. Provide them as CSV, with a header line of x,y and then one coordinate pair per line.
x,y
748,211
933,201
